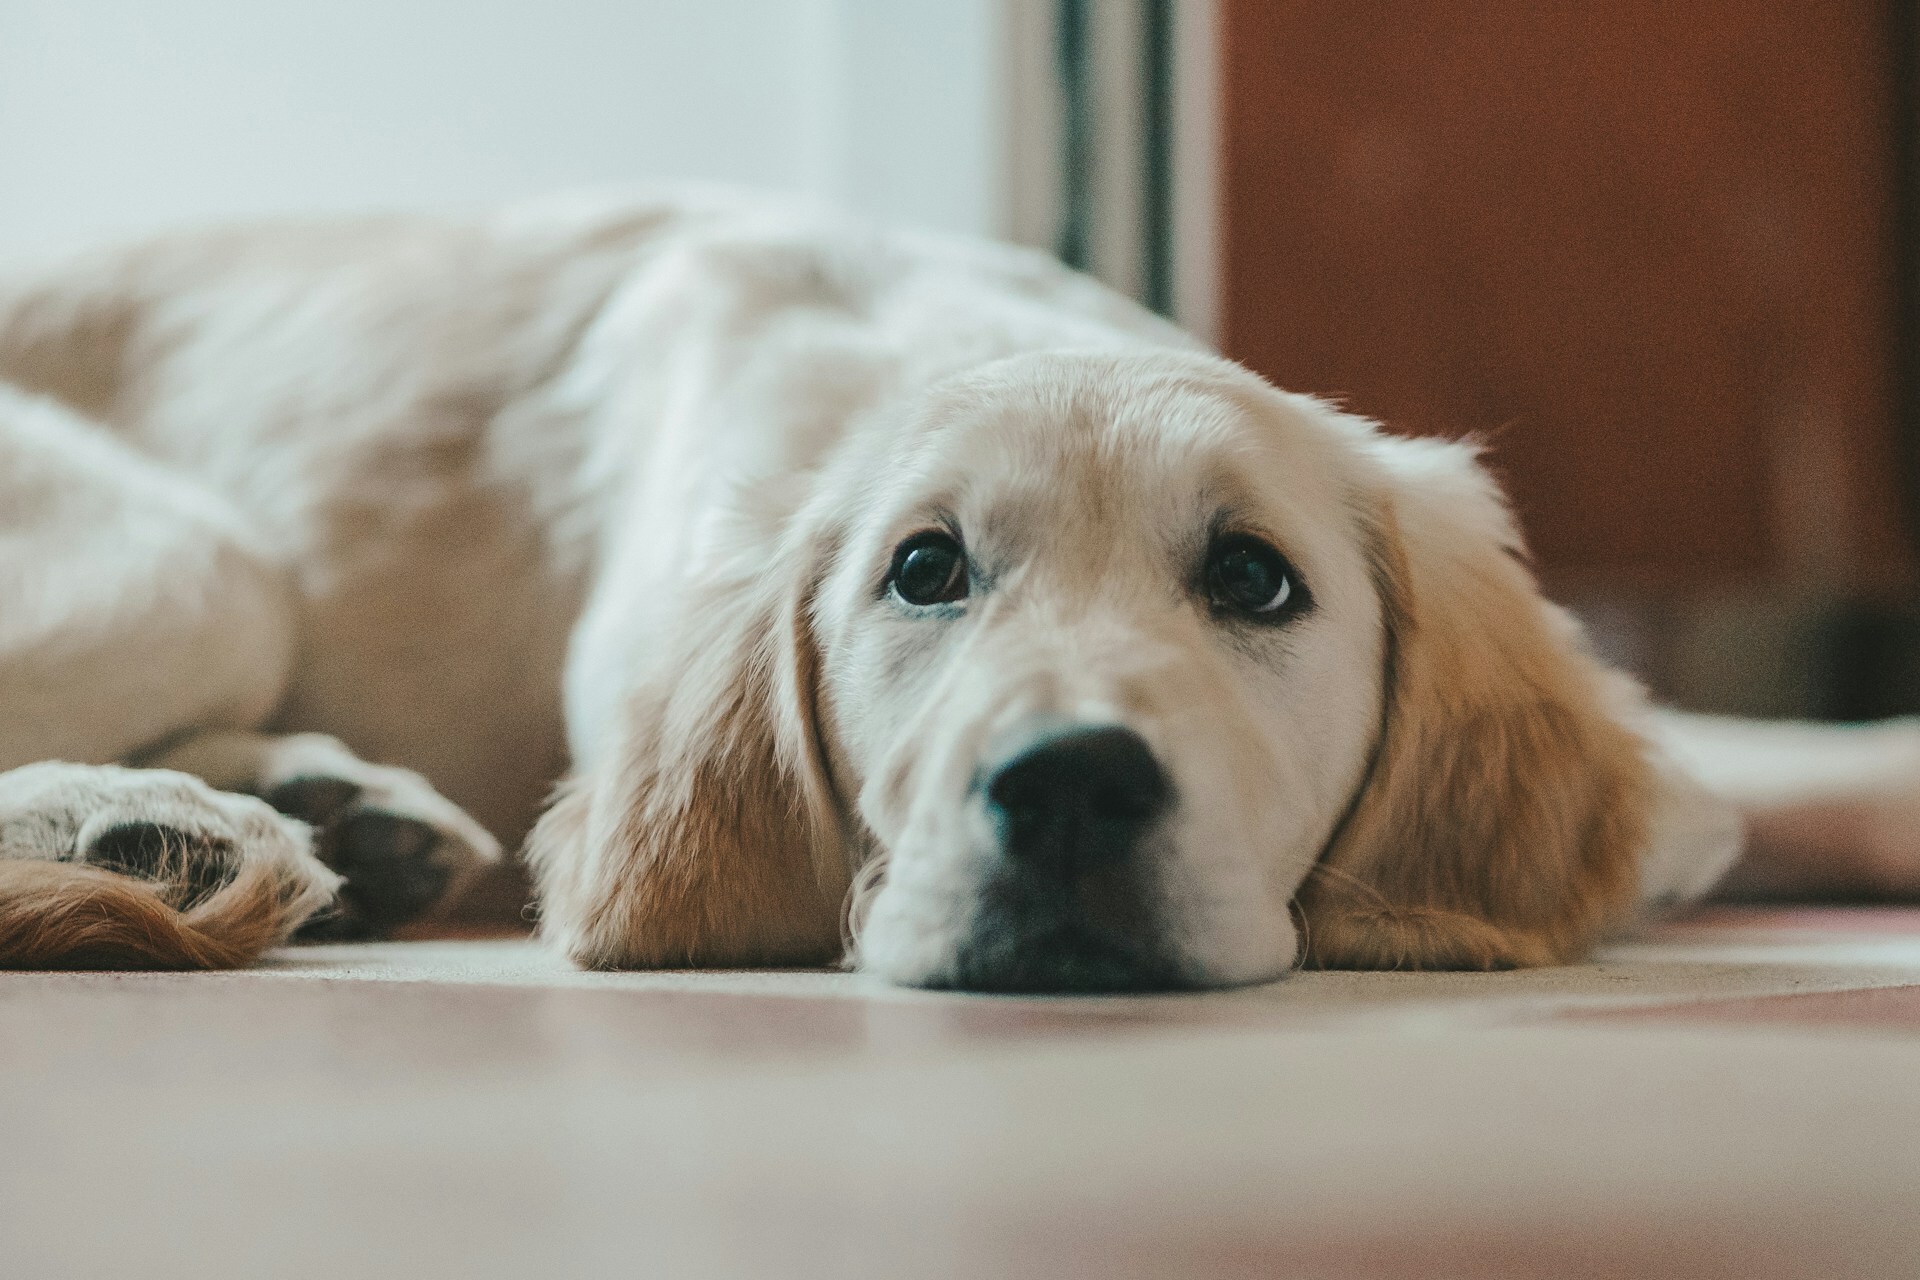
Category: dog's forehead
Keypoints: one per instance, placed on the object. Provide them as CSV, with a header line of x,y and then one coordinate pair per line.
x,y
1141,442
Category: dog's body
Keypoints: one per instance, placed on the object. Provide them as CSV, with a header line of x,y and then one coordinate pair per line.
x,y
484,500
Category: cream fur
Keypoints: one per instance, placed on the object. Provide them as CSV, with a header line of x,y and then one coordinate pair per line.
x,y
605,489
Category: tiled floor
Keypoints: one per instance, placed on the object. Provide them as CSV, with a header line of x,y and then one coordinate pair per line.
x,y
1737,1095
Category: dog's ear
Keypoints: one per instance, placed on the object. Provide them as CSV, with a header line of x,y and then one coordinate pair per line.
x,y
705,833
1501,820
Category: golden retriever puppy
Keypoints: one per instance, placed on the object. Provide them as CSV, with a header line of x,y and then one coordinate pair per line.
x,y
878,596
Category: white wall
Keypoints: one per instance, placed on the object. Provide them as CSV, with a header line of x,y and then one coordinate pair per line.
x,y
120,116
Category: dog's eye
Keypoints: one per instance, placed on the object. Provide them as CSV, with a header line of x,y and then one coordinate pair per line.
x,y
929,568
1247,576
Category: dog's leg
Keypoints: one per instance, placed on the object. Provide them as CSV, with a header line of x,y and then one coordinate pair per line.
x,y
404,848
134,604
1832,811
105,867
133,608
139,624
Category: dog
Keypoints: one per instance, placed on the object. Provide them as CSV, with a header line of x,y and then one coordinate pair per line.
x,y
869,595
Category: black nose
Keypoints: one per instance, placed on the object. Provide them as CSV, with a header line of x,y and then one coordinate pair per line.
x,y
1077,798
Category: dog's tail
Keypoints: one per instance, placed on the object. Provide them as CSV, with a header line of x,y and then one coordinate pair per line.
x,y
64,915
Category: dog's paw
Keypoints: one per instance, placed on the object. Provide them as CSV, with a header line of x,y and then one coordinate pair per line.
x,y
404,850
157,825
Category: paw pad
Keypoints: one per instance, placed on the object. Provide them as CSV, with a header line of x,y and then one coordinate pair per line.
x,y
394,864
195,866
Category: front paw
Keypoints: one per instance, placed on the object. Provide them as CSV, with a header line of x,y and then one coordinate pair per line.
x,y
169,829
406,852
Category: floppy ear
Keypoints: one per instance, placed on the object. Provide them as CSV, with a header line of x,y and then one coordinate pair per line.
x,y
1502,818
705,834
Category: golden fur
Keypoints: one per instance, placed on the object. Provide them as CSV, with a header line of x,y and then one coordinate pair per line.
x,y
702,839
62,915
1506,806
619,482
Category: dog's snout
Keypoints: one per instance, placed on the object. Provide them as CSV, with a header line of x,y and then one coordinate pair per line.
x,y
1078,797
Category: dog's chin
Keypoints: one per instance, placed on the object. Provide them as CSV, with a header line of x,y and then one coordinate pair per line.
x,y
1044,957
995,945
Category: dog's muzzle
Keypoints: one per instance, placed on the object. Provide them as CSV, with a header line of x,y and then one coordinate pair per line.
x,y
1075,810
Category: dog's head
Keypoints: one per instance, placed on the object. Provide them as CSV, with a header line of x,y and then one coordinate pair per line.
x,y
1115,672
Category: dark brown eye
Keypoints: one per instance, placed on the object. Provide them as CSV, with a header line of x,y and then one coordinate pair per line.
x,y
1248,577
929,568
